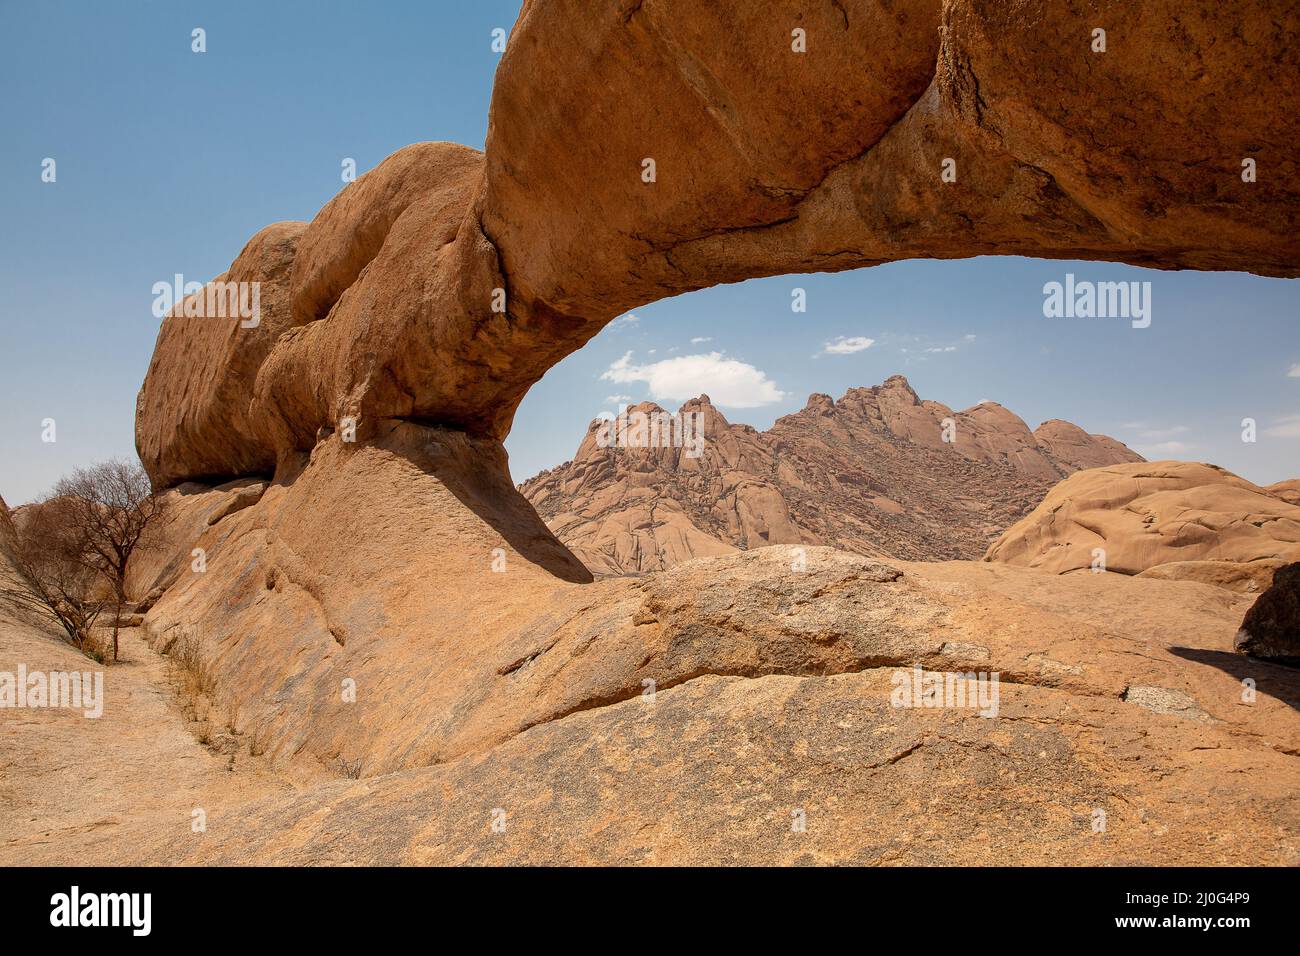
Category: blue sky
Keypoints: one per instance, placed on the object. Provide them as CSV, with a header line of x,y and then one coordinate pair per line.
x,y
168,161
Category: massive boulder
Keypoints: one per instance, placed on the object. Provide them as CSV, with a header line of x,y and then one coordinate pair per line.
x,y
1138,517
871,473
194,418
1271,628
207,409
1073,449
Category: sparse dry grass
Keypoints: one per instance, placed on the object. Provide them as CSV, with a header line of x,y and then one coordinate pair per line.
x,y
196,684
198,680
348,768
196,687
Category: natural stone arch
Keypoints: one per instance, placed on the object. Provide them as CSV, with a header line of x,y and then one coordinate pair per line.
x,y
375,560
767,161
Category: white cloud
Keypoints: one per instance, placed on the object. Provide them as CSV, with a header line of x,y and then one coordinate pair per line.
x,y
628,319
1294,371
727,381
918,346
1164,434
708,338
848,345
618,399
1169,448
1288,427
1159,438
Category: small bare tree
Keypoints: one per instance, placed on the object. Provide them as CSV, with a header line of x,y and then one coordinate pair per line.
x,y
83,535
46,575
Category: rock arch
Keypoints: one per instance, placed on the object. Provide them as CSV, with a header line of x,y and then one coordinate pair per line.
x,y
373,559
768,161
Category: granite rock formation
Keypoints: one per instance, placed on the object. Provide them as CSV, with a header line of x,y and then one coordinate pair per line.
x,y
870,473
390,555
1168,518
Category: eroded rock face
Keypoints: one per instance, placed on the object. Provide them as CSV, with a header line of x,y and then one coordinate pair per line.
x,y
1271,628
1153,514
193,416
408,565
190,509
765,161
209,407
870,473
1252,577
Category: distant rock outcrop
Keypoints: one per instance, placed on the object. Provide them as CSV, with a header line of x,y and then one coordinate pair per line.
x,y
871,473
1193,521
8,535
1075,450
1288,491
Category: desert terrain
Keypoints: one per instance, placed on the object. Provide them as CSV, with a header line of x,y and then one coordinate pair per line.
x,y
360,640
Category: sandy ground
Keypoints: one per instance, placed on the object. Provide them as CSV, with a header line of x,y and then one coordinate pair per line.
x,y
139,761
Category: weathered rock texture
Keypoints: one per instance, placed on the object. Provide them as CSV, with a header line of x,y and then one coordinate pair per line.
x,y
1171,518
191,508
8,539
467,635
1288,491
870,473
1118,694
193,416
1271,628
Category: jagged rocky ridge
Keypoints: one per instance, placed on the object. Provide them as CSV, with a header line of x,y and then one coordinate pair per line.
x,y
869,473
